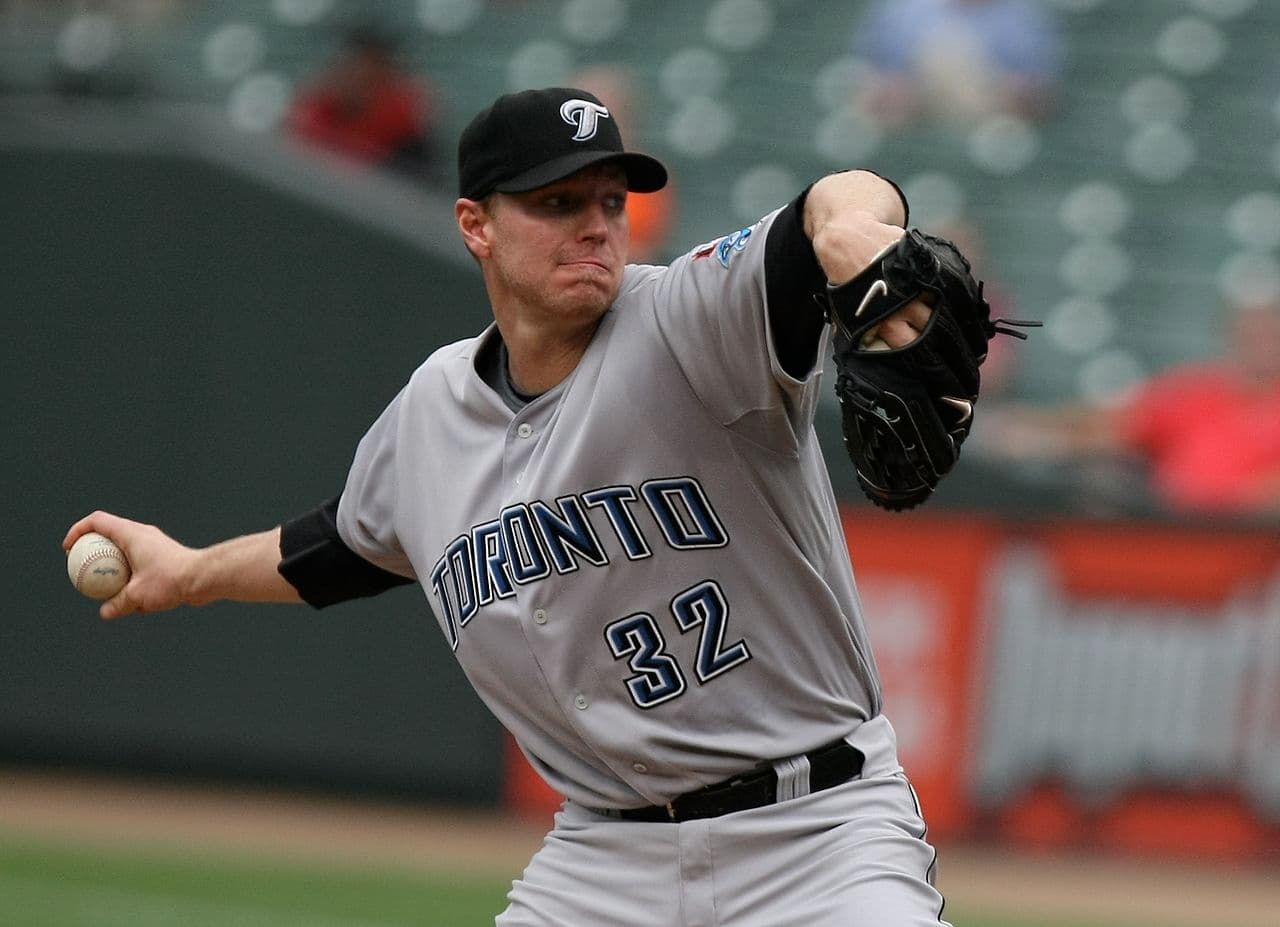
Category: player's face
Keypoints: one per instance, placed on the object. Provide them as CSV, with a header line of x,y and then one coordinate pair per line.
x,y
558,251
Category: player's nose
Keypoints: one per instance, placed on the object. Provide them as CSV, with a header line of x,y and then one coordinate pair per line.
x,y
594,220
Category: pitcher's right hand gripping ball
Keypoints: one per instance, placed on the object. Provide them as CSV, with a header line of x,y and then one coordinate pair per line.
x,y
905,412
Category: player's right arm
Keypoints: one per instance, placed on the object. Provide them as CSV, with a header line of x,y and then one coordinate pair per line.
x,y
303,560
167,574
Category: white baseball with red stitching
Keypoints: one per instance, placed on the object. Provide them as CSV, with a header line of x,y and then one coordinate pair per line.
x,y
96,566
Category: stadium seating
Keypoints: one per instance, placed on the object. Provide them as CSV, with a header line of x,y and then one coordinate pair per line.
x,y
1123,221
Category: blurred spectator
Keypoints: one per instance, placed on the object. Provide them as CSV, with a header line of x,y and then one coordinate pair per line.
x,y
652,216
366,106
958,59
1207,433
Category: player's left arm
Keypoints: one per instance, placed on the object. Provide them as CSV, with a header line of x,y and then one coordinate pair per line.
x,y
851,217
829,234
741,315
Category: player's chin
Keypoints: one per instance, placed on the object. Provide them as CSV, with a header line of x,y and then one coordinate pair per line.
x,y
584,306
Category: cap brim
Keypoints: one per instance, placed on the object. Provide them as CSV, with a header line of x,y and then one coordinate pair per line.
x,y
644,174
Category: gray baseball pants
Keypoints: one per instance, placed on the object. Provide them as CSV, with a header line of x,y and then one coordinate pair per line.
x,y
848,856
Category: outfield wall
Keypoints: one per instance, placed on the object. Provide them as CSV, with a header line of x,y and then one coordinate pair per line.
x,y
198,348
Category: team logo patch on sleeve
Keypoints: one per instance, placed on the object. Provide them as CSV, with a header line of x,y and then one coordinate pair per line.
x,y
725,248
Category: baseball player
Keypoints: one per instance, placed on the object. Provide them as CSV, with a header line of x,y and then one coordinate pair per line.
x,y
615,504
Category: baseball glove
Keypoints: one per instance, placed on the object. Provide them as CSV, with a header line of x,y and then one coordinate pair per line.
x,y
906,411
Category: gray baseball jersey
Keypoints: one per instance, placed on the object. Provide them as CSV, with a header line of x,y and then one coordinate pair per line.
x,y
642,571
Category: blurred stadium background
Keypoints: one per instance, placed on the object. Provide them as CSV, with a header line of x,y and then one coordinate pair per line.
x,y
204,317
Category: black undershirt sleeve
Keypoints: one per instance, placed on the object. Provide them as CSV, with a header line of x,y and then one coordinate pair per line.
x,y
324,570
793,278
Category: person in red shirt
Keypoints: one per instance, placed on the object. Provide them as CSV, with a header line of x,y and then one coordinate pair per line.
x,y
1207,432
1211,431
365,106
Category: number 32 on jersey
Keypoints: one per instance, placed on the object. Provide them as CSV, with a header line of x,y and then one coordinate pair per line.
x,y
657,677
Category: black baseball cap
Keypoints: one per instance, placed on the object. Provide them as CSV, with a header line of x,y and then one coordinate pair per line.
x,y
529,139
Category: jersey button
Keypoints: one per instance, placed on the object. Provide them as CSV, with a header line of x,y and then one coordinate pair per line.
x,y
640,768
540,616
524,430
580,702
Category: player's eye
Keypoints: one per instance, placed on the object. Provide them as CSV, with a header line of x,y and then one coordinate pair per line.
x,y
562,203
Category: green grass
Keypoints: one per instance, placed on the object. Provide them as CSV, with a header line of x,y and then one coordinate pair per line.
x,y
44,884
964,920
47,885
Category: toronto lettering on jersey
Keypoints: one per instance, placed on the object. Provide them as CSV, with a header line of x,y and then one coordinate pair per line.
x,y
530,541
1105,694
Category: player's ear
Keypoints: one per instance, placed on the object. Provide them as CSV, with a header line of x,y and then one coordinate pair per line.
x,y
473,224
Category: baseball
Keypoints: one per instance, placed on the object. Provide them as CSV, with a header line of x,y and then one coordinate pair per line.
x,y
96,566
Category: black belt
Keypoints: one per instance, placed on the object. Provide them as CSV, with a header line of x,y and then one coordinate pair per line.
x,y
828,766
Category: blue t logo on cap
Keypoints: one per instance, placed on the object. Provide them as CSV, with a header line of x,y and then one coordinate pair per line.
x,y
585,115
